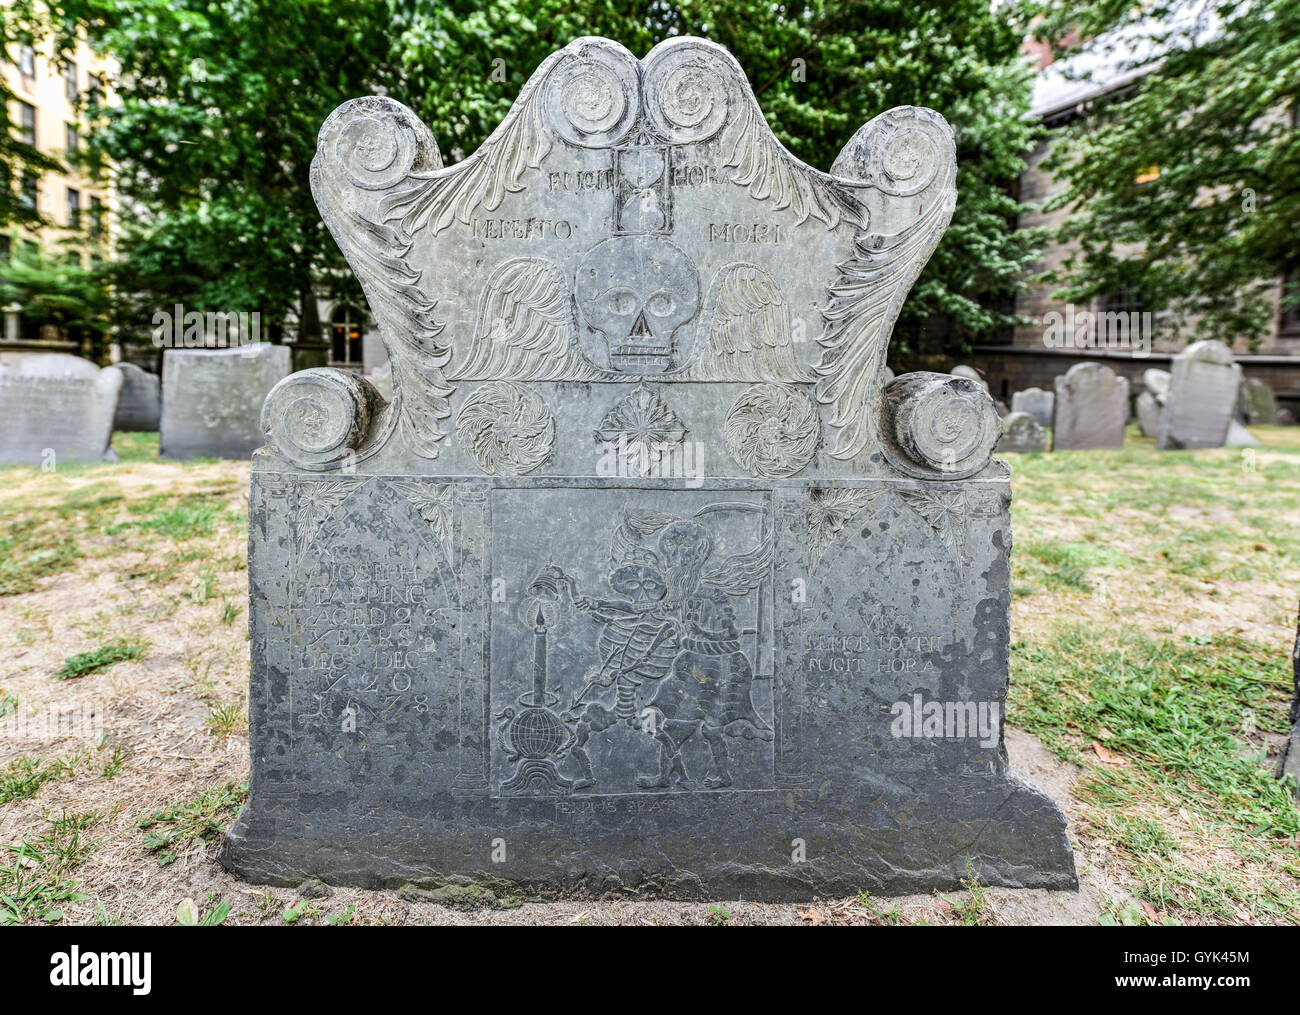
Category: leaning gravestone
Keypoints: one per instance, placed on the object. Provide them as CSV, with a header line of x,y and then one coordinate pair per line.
x,y
1202,399
140,405
1022,435
57,408
627,588
1091,408
212,399
1035,401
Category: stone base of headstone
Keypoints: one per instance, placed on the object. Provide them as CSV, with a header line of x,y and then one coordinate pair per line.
x,y
410,771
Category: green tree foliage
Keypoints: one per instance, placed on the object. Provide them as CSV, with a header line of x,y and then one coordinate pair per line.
x,y
221,101
1215,113
56,290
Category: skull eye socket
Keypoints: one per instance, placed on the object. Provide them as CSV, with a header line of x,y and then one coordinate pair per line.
x,y
660,304
622,302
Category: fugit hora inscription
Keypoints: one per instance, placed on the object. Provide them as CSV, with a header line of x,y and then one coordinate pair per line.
x,y
643,578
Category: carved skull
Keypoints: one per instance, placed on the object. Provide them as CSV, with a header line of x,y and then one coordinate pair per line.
x,y
636,291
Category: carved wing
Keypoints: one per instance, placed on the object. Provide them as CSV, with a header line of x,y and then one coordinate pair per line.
x,y
526,327
907,157
745,334
742,572
436,199
760,163
345,182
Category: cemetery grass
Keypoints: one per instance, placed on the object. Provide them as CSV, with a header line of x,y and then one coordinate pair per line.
x,y
1152,617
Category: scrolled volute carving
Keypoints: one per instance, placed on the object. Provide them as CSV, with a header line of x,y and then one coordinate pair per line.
x,y
937,426
319,419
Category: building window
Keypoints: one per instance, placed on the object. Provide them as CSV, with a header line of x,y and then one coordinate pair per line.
x,y
1289,320
95,88
96,217
346,326
27,123
27,197
70,81
27,61
72,140
74,209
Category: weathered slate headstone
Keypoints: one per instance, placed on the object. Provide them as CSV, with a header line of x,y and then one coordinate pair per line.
x,y
140,405
1256,402
58,408
1091,408
212,399
1035,401
628,588
1202,397
1022,435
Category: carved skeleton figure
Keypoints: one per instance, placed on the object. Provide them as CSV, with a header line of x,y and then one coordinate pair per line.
x,y
669,625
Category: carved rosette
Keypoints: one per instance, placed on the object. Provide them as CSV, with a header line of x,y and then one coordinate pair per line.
x,y
507,428
319,419
687,92
772,430
592,100
642,426
937,426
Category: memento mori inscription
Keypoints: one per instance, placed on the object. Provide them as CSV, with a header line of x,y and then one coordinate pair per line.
x,y
642,578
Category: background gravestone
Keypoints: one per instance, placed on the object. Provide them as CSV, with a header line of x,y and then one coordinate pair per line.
x,y
212,399
1035,401
1147,407
1022,435
1091,408
1151,402
1202,399
961,370
625,578
140,405
58,408
1257,403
